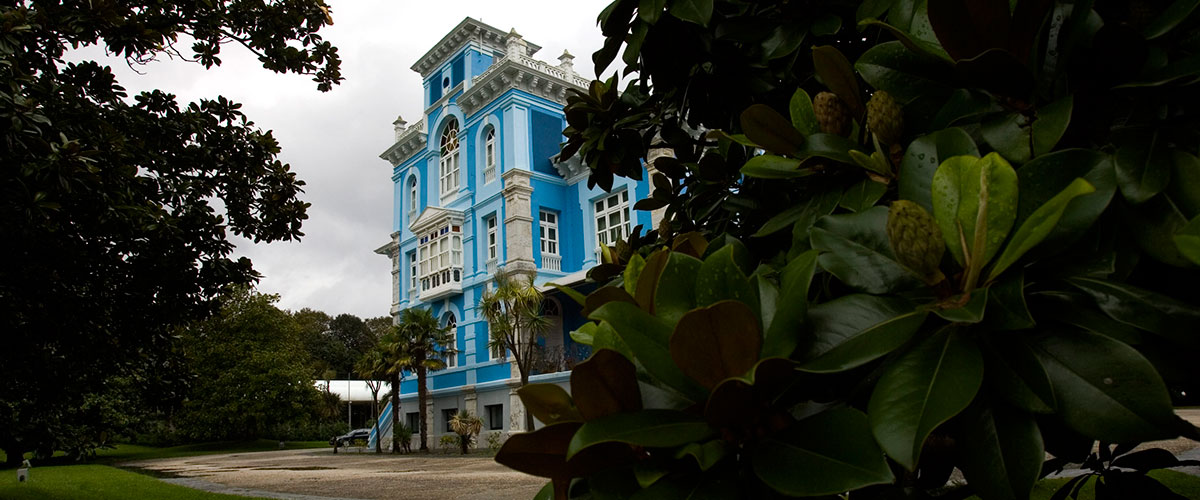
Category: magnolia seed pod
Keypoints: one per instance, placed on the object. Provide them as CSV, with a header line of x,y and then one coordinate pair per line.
x,y
832,114
916,240
884,117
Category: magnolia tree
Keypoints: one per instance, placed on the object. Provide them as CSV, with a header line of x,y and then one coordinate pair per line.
x,y
900,238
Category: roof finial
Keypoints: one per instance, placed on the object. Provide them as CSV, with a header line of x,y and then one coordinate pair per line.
x,y
515,45
566,62
399,126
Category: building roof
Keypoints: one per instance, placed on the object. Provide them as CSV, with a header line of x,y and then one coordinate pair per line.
x,y
469,29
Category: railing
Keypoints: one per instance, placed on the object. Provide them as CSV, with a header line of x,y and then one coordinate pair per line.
x,y
489,174
491,266
551,262
558,358
441,283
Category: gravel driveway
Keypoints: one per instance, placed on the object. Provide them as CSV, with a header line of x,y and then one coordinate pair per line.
x,y
319,472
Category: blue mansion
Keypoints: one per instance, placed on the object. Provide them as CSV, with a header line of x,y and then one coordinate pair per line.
x,y
478,190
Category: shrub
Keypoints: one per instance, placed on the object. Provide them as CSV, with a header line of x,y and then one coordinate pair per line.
x,y
949,250
447,443
494,441
467,426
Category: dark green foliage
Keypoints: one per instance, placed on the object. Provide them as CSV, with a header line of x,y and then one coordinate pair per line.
x,y
114,209
1051,144
249,375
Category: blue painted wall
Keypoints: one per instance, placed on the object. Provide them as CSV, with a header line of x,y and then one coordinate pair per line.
x,y
547,134
542,121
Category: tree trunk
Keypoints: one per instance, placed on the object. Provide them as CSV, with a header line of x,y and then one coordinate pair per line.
x,y
464,441
395,416
528,414
422,398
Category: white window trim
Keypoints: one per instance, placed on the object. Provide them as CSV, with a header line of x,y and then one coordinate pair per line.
x,y
607,235
414,280
548,232
414,199
448,161
440,256
489,156
452,320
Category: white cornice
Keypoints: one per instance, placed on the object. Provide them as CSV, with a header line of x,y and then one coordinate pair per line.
x,y
469,29
409,143
435,216
572,170
524,73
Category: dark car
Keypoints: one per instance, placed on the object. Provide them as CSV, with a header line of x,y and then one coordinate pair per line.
x,y
350,437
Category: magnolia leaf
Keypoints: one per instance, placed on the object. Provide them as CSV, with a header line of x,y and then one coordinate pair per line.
x,y
716,342
783,333
667,284
905,74
693,11
706,454
1001,450
543,453
826,454
633,271
1165,316
1048,175
1177,12
774,167
1188,240
1143,167
771,130
922,158
804,119
972,311
605,384
549,403
855,329
922,389
648,428
721,278
836,73
974,204
804,213
862,195
1006,308
1038,226
855,248
649,339
1015,373
1105,389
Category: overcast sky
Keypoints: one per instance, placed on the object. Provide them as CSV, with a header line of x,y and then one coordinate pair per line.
x,y
333,140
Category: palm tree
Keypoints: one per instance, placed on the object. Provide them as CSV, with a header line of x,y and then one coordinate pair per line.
x,y
373,367
427,342
514,315
467,426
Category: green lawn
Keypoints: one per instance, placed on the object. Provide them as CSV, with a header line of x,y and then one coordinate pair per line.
x,y
95,482
130,452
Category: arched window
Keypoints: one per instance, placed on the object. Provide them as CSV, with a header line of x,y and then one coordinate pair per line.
x,y
489,156
450,322
413,198
449,159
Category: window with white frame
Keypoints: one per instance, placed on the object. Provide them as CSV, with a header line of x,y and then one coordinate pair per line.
x,y
493,239
412,273
449,159
489,156
413,199
441,257
451,323
548,228
612,218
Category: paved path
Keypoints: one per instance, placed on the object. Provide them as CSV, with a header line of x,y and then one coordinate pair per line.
x,y
319,474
